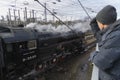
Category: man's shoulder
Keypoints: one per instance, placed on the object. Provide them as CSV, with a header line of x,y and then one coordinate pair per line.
x,y
115,26
114,30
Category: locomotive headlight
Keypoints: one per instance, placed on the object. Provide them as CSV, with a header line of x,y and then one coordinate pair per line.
x,y
54,60
40,66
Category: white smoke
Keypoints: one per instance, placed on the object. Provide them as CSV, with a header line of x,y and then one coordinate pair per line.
x,y
83,26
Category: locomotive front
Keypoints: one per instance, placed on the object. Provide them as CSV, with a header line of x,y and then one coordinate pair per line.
x,y
18,47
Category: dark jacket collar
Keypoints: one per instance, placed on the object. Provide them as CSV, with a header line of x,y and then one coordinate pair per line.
x,y
111,27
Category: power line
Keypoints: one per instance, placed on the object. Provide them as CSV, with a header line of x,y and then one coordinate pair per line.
x,y
64,4
56,17
84,9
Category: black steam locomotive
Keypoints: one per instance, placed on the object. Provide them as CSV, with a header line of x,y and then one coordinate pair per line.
x,y
24,53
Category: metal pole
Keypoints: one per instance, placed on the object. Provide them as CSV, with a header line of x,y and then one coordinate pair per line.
x,y
30,16
8,22
19,17
25,14
14,17
9,16
33,15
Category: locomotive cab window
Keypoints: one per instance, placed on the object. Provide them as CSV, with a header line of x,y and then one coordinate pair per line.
x,y
32,44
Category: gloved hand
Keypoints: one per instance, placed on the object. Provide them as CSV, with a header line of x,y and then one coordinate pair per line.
x,y
95,29
94,26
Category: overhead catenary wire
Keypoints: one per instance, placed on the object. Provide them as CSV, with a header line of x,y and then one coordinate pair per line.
x,y
65,12
84,9
48,1
56,16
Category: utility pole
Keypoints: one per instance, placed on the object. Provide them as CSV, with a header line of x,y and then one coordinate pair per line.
x,y
33,15
9,14
45,12
7,17
30,16
14,12
19,20
25,14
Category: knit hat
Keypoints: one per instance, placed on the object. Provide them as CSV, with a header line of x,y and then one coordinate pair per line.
x,y
107,15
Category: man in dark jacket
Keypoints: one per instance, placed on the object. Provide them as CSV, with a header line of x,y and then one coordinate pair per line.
x,y
107,31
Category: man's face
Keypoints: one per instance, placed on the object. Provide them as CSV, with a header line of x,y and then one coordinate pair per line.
x,y
100,25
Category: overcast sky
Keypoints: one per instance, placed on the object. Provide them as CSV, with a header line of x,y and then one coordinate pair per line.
x,y
65,9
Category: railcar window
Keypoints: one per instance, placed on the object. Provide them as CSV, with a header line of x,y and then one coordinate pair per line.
x,y
32,44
